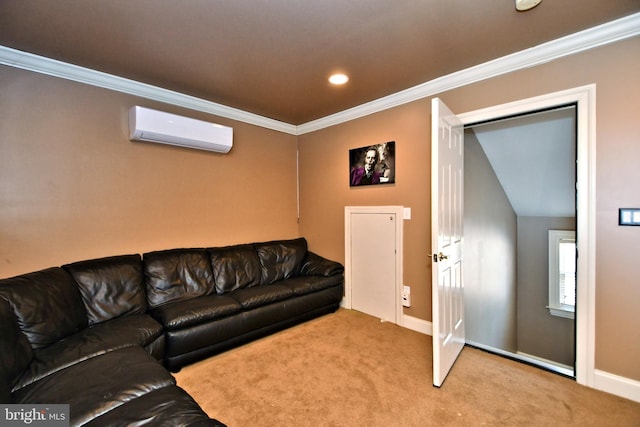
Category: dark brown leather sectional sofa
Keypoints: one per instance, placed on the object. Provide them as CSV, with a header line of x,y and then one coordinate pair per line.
x,y
99,335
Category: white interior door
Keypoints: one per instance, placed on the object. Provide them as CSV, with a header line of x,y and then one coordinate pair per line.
x,y
447,156
373,264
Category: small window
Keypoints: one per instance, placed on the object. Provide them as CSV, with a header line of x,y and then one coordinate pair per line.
x,y
562,273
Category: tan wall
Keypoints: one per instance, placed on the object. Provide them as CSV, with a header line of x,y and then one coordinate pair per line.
x,y
73,187
616,71
325,191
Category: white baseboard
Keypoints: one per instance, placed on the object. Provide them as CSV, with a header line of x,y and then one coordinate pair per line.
x,y
615,384
416,324
409,322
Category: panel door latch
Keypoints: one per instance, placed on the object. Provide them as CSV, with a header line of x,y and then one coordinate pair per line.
x,y
438,257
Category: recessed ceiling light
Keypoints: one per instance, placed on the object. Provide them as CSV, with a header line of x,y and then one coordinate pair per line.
x,y
338,79
523,5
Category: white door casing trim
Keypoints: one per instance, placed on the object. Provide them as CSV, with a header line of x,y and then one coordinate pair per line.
x,y
396,210
584,97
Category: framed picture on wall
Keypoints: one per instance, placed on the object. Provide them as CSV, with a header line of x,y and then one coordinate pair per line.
x,y
372,165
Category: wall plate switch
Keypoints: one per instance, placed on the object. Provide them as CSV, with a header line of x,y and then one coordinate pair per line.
x,y
629,216
406,213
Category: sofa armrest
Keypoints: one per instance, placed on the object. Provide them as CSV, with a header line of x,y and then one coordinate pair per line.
x,y
315,265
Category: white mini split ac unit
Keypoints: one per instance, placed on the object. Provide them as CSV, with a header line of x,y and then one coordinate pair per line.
x,y
156,126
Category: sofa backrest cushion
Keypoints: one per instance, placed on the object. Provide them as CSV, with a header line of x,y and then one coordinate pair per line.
x,y
16,353
110,287
47,305
235,267
280,259
177,274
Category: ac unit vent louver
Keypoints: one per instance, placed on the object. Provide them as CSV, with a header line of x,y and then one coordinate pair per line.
x,y
149,125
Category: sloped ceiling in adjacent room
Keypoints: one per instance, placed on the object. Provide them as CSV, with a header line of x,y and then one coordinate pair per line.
x,y
534,158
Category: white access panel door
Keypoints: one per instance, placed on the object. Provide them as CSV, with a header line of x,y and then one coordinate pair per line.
x,y
373,264
447,156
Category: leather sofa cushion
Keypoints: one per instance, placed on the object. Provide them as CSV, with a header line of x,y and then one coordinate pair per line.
x,y
315,265
47,305
303,285
167,406
110,287
280,259
181,314
100,384
5,392
261,295
128,331
176,275
15,353
235,267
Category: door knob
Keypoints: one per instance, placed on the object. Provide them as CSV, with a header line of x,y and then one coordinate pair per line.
x,y
438,257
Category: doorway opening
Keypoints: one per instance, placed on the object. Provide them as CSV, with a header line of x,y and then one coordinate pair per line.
x,y
584,98
520,191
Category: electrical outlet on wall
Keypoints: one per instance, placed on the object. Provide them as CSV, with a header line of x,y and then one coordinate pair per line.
x,y
406,296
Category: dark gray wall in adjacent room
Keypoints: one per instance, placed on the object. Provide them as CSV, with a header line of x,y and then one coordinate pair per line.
x,y
539,333
490,231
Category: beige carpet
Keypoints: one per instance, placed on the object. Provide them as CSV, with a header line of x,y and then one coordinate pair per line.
x,y
349,369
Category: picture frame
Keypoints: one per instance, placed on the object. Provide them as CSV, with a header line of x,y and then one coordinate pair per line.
x,y
372,164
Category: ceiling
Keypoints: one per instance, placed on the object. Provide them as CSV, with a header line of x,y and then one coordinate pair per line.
x,y
534,158
273,57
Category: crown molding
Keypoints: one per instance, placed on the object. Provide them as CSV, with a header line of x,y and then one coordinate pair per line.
x,y
40,64
611,32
